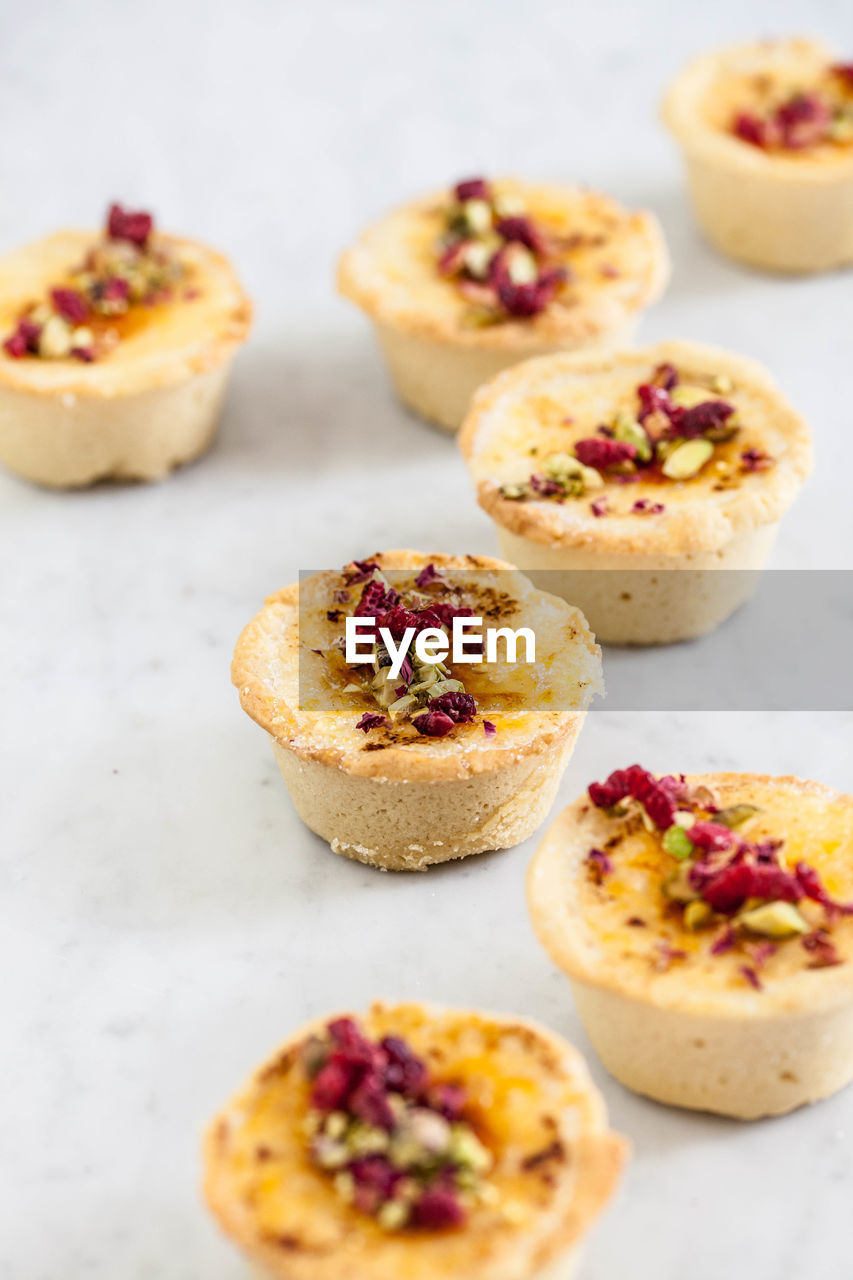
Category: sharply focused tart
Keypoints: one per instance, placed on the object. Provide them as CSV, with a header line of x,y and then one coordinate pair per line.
x,y
114,352
436,761
678,456
706,924
460,284
414,1143
767,135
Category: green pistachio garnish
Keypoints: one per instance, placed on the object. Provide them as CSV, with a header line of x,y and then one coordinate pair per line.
x,y
629,431
736,815
477,216
696,914
687,459
393,1215
722,384
687,395
775,920
467,1150
678,888
677,842
522,266
508,205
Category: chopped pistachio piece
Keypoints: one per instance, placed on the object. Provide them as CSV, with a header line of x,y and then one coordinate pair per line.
x,y
393,1215
563,466
687,395
736,815
467,1150
687,459
479,255
678,888
477,215
775,920
723,384
522,267
508,205
629,431
696,914
677,842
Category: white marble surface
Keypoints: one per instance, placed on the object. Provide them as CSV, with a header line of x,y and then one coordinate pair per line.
x,y
165,918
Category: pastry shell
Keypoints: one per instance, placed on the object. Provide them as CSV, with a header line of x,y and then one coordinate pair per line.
x,y
698,1035
151,404
288,1219
428,800
611,566
435,360
790,213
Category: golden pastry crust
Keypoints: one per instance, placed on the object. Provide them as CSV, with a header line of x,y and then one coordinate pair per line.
x,y
526,407
391,271
555,1160
161,345
584,927
266,670
705,97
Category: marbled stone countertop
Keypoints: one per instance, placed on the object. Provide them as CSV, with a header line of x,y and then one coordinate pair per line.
x,y
165,919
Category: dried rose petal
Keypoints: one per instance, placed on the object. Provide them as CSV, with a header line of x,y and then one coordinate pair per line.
x,y
489,729
523,231
750,976
750,128
84,354
813,887
643,506
448,1099
708,416
116,289
370,720
472,189
601,453
124,225
724,941
755,460
659,796
728,889
711,837
24,341
598,507
665,376
803,120
364,569
427,575
405,1072
375,600
822,949
70,304
369,1102
599,863
452,260
461,707
438,1207
331,1086
434,724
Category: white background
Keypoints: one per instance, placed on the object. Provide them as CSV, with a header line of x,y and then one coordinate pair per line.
x,y
165,918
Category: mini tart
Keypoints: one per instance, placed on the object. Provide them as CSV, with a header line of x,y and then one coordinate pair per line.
x,y
383,793
723,517
144,408
437,349
555,1164
786,209
716,1017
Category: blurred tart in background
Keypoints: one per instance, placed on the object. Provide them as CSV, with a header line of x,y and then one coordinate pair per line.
x,y
116,352
459,284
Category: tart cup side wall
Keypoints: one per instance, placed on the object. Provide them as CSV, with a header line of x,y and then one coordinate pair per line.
x,y
738,1067
68,441
624,600
409,825
437,379
767,219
